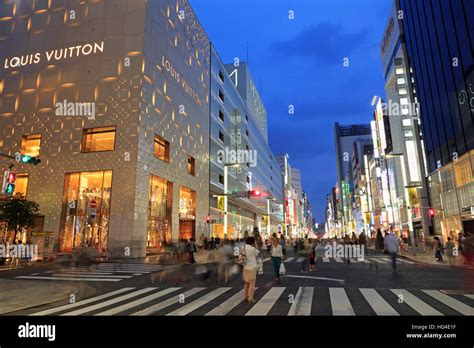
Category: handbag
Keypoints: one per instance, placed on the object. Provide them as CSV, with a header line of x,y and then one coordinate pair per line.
x,y
282,269
242,258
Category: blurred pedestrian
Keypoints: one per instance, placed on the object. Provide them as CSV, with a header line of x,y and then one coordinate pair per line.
x,y
450,251
277,255
393,248
249,275
438,247
283,244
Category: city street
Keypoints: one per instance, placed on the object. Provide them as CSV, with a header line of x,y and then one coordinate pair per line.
x,y
365,287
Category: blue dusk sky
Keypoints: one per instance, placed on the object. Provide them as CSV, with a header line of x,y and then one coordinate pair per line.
x,y
300,62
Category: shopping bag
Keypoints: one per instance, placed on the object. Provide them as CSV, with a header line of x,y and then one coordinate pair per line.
x,y
259,266
282,269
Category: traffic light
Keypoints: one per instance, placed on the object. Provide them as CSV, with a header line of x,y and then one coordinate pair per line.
x,y
9,183
431,213
208,218
30,160
254,193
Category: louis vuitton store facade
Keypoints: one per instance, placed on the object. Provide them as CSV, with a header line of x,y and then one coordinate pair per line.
x,y
127,153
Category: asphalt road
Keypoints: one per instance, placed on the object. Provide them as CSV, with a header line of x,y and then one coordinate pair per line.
x,y
337,287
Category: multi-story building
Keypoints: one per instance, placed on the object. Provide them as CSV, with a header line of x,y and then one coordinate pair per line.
x,y
360,202
344,137
239,142
405,160
439,41
114,99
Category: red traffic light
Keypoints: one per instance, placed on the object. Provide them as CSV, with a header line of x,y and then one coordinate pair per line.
x,y
11,178
208,218
431,212
257,193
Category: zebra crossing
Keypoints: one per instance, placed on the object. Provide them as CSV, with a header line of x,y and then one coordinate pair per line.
x,y
287,301
324,259
103,272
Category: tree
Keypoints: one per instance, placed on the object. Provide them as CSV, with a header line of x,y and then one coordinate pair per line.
x,y
18,213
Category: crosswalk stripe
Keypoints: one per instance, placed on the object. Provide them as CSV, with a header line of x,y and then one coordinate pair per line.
x,y
89,275
301,259
138,302
171,301
338,259
325,259
226,306
340,302
85,271
302,302
451,302
109,302
72,279
378,261
415,303
131,272
289,259
267,259
199,302
378,304
470,296
406,261
81,303
266,303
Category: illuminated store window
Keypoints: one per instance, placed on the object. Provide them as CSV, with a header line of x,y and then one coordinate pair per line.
x,y
21,184
221,115
400,81
402,91
187,213
98,139
398,71
86,210
30,145
191,165
161,149
160,203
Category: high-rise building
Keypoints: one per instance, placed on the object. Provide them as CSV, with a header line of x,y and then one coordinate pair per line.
x,y
115,102
440,40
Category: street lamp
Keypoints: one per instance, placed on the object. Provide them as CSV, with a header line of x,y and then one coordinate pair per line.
x,y
233,165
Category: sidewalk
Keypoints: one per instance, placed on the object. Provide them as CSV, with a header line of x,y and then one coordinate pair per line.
x,y
16,295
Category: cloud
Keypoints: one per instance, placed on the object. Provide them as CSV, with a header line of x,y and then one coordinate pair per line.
x,y
325,43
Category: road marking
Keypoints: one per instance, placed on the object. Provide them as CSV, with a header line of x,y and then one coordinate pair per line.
x,y
415,303
378,304
226,306
338,260
72,279
137,274
89,275
80,303
406,261
470,296
109,302
340,302
267,259
199,302
315,278
326,259
266,303
451,302
378,261
301,259
289,259
138,302
302,302
171,301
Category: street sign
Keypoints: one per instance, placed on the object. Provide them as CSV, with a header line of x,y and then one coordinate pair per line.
x,y
93,204
241,194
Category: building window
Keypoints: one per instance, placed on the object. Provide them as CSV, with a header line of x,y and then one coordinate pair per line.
x,y
401,81
247,132
98,139
221,96
160,204
30,145
221,115
408,133
402,91
161,149
187,213
86,210
221,76
248,179
191,165
221,179
398,71
221,136
247,147
21,184
246,117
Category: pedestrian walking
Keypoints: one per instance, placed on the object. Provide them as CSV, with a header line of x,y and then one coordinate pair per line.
x,y
269,245
379,240
226,258
450,251
304,252
295,245
438,247
393,248
283,244
312,257
277,255
249,260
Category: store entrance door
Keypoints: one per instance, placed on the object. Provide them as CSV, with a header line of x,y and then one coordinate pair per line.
x,y
468,226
